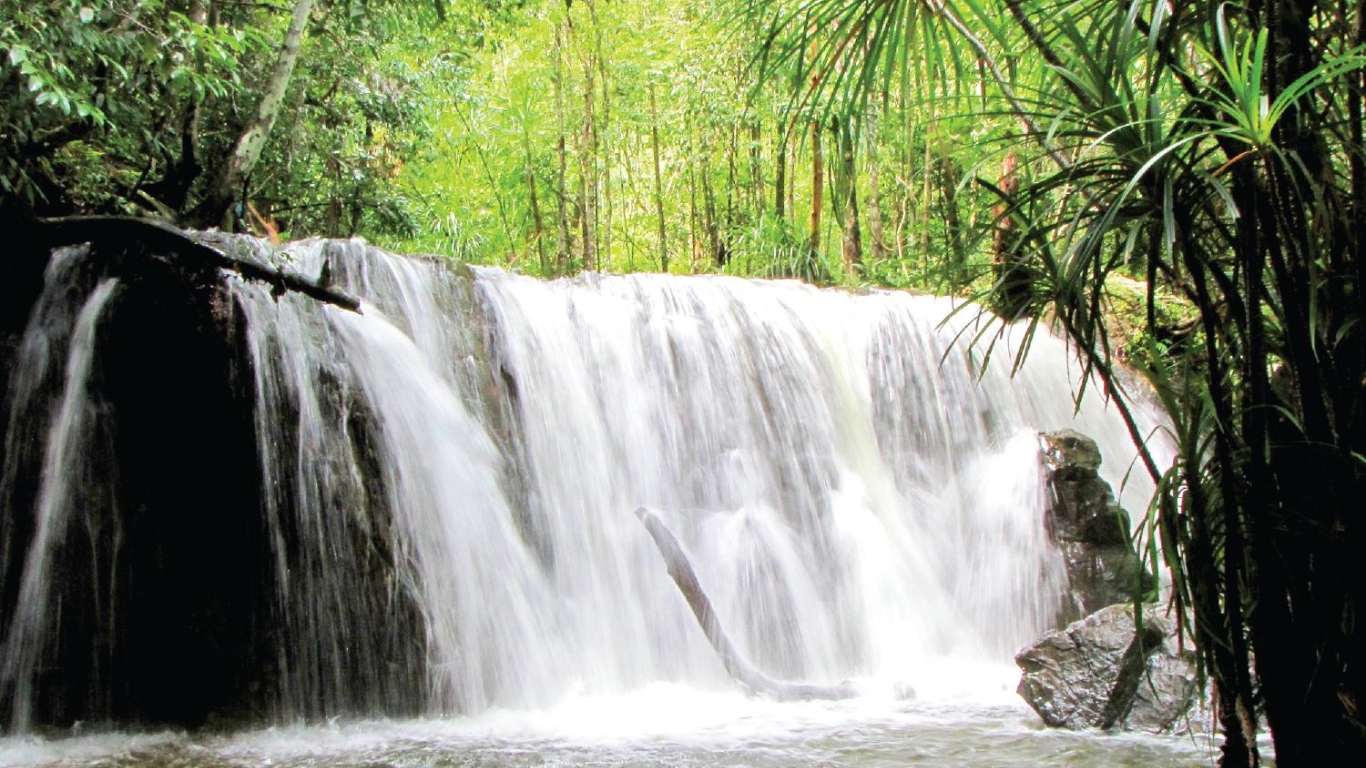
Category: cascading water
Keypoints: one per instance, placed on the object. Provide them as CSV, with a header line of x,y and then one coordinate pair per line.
x,y
449,479
860,500
54,415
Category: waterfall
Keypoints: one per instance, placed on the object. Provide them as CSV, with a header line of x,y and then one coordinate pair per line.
x,y
860,497
53,414
449,479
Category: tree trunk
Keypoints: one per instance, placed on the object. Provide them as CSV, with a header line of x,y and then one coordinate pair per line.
x,y
710,226
817,189
562,244
216,208
693,247
780,174
173,190
602,179
875,230
732,181
537,222
659,183
851,247
1014,279
926,201
946,173
756,168
588,176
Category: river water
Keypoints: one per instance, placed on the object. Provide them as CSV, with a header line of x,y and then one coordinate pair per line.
x,y
662,725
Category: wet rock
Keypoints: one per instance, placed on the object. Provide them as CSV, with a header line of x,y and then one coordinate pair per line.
x,y
165,576
1089,527
1101,673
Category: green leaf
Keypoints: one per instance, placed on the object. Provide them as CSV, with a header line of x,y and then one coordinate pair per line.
x,y
87,14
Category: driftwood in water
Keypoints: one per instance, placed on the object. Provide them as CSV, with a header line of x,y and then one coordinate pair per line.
x,y
676,560
166,240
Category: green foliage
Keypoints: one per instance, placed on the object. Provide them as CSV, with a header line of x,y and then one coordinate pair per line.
x,y
772,248
99,76
119,106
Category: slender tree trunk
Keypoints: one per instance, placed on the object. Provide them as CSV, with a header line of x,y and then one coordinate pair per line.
x,y
602,150
357,202
332,218
588,182
710,225
875,231
817,189
851,247
1356,114
1014,279
924,212
659,183
174,190
905,188
562,243
693,246
780,174
216,208
732,183
756,168
946,174
537,222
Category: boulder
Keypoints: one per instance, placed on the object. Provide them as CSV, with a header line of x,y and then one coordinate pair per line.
x,y
1089,527
1103,672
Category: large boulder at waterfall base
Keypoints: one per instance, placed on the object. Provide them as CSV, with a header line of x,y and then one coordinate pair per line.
x,y
1103,672
1089,527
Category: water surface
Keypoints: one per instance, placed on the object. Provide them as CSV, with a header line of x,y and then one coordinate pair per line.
x,y
662,725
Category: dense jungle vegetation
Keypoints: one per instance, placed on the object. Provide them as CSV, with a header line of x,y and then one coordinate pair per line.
x,y
1201,164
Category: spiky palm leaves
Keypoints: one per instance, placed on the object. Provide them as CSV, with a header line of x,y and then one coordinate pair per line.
x,y
1220,148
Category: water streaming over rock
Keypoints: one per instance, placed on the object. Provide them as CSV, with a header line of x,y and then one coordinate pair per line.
x,y
449,480
54,415
860,499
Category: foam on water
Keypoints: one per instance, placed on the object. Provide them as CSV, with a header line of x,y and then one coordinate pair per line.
x,y
656,726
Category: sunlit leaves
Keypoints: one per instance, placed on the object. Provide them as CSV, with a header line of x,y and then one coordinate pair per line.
x,y
1240,59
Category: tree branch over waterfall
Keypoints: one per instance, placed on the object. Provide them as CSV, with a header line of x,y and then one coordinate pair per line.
x,y
164,240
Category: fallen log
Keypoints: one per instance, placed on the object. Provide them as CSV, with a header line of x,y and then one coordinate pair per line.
x,y
680,569
165,240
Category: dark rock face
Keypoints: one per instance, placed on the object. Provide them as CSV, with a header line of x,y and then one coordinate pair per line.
x,y
168,600
1101,673
1089,527
164,581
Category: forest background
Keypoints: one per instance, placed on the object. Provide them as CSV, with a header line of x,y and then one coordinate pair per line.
x,y
1196,168
541,135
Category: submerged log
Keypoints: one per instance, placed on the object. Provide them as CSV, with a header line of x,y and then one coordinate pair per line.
x,y
680,569
166,240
